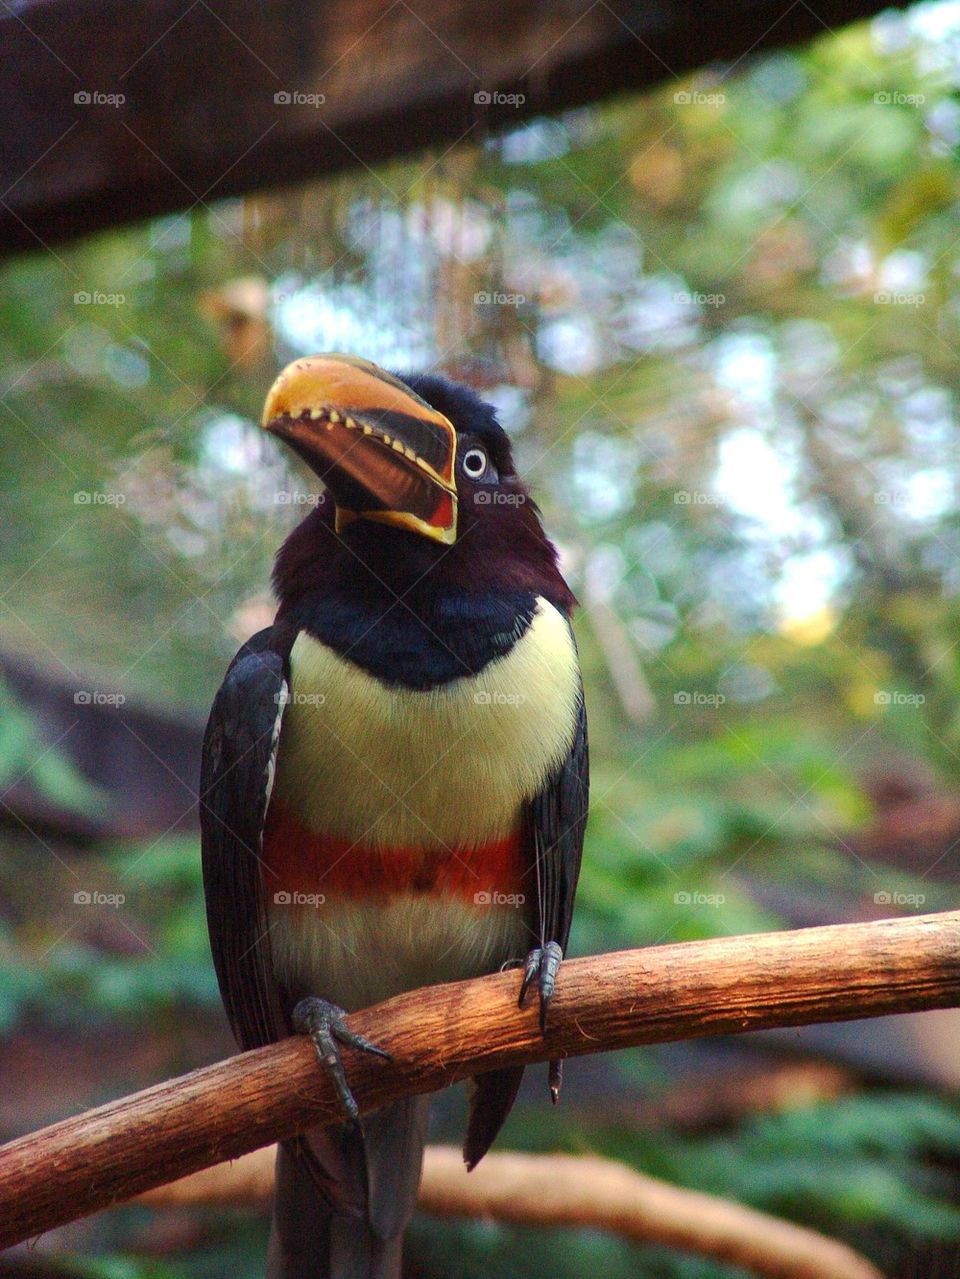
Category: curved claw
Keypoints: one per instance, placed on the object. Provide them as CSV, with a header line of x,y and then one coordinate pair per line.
x,y
543,964
324,1023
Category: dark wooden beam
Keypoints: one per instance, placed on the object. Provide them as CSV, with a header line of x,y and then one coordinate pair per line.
x,y
112,111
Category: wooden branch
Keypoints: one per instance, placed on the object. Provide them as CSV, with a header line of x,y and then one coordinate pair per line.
x,y
571,1190
446,1033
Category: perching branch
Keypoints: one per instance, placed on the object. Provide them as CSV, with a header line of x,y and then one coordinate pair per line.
x,y
446,1033
570,1190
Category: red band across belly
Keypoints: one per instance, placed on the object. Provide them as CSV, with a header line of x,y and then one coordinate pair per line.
x,y
299,860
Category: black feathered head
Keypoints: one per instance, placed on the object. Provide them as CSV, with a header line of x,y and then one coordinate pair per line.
x,y
419,479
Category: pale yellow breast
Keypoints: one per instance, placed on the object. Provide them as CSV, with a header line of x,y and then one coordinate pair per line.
x,y
404,943
439,768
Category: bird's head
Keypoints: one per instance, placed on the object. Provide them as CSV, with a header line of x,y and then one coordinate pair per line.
x,y
417,472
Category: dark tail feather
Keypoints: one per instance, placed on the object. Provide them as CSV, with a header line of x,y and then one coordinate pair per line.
x,y
490,1101
309,1240
394,1138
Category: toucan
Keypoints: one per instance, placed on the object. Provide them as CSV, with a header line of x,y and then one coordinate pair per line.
x,y
394,777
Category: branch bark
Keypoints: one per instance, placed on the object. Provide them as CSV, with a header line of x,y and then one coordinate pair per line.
x,y
447,1033
571,1190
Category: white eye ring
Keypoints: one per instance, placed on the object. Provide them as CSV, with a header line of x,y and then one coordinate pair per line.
x,y
474,463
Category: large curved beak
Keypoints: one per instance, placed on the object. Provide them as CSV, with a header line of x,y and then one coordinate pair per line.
x,y
380,449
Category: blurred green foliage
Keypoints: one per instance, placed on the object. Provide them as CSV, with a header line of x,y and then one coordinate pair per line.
x,y
24,753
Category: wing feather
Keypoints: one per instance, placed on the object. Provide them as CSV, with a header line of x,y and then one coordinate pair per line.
x,y
236,777
556,820
237,771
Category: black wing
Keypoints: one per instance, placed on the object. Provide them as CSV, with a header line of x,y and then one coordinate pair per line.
x,y
556,820
236,776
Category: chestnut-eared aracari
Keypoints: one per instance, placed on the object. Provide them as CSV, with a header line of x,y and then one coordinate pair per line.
x,y
394,783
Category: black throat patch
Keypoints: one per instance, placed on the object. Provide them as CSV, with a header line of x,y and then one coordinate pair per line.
x,y
416,641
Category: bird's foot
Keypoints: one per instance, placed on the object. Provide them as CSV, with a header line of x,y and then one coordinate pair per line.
x,y
324,1023
542,966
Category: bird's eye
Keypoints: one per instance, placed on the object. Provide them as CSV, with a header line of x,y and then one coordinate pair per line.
x,y
474,463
